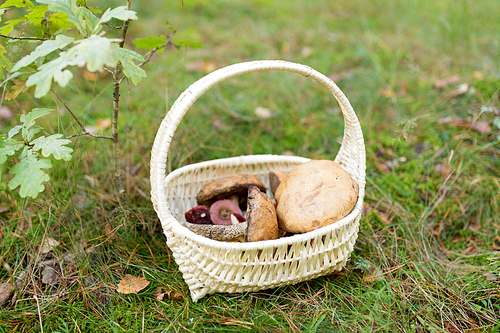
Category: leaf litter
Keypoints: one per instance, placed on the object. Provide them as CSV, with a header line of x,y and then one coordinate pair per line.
x,y
132,284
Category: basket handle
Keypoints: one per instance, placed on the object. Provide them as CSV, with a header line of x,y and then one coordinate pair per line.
x,y
351,156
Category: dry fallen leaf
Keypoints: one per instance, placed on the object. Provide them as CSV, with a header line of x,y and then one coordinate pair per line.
x,y
201,66
103,123
460,90
262,112
438,84
132,284
306,51
388,93
109,231
17,88
480,126
5,113
49,275
4,209
6,290
172,294
91,129
474,226
48,245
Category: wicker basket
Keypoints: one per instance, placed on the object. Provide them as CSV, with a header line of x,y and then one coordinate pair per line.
x,y
210,266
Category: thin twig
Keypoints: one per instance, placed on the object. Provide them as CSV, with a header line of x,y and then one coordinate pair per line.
x,y
91,134
22,38
85,132
114,129
150,53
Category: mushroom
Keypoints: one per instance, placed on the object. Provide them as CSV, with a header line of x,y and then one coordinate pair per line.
x,y
222,210
234,188
261,217
275,178
313,195
223,233
198,215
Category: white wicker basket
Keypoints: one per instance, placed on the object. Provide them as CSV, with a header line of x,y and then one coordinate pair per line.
x,y
210,266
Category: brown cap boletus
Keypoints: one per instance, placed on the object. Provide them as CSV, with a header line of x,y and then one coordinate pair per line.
x,y
261,217
313,195
226,188
275,178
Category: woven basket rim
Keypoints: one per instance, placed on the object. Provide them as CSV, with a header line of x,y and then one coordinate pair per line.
x,y
303,237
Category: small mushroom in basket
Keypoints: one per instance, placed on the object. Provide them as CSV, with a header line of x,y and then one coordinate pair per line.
x,y
198,215
234,188
275,178
261,217
222,210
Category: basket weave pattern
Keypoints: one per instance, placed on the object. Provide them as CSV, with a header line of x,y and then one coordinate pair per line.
x,y
210,266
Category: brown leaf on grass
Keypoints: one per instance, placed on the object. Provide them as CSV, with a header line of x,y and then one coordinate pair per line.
x,y
474,226
201,66
387,93
109,231
48,245
17,88
340,76
460,90
4,209
482,127
132,284
262,112
479,126
49,275
372,274
496,244
442,169
103,123
172,294
438,84
5,113
6,290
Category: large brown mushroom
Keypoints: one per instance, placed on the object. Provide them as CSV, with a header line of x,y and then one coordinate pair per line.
x,y
232,188
275,178
261,217
313,195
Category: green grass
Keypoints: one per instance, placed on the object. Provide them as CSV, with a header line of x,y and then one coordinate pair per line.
x,y
424,260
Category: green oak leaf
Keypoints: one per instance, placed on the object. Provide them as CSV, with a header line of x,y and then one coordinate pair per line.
x,y
121,13
130,68
9,26
191,43
4,62
149,43
17,3
75,13
44,49
53,145
52,70
95,51
10,148
29,118
14,130
29,176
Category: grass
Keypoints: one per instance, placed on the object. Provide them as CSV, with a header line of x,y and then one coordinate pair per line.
x,y
427,257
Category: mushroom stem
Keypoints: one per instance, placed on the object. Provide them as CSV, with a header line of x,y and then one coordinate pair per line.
x,y
217,232
235,198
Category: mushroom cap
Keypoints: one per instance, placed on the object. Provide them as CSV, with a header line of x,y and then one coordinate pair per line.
x,y
275,178
313,195
261,217
225,187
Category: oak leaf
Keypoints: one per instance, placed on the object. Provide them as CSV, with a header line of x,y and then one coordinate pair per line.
x,y
132,284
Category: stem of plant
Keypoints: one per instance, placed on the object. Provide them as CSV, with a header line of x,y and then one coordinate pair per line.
x,y
122,195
